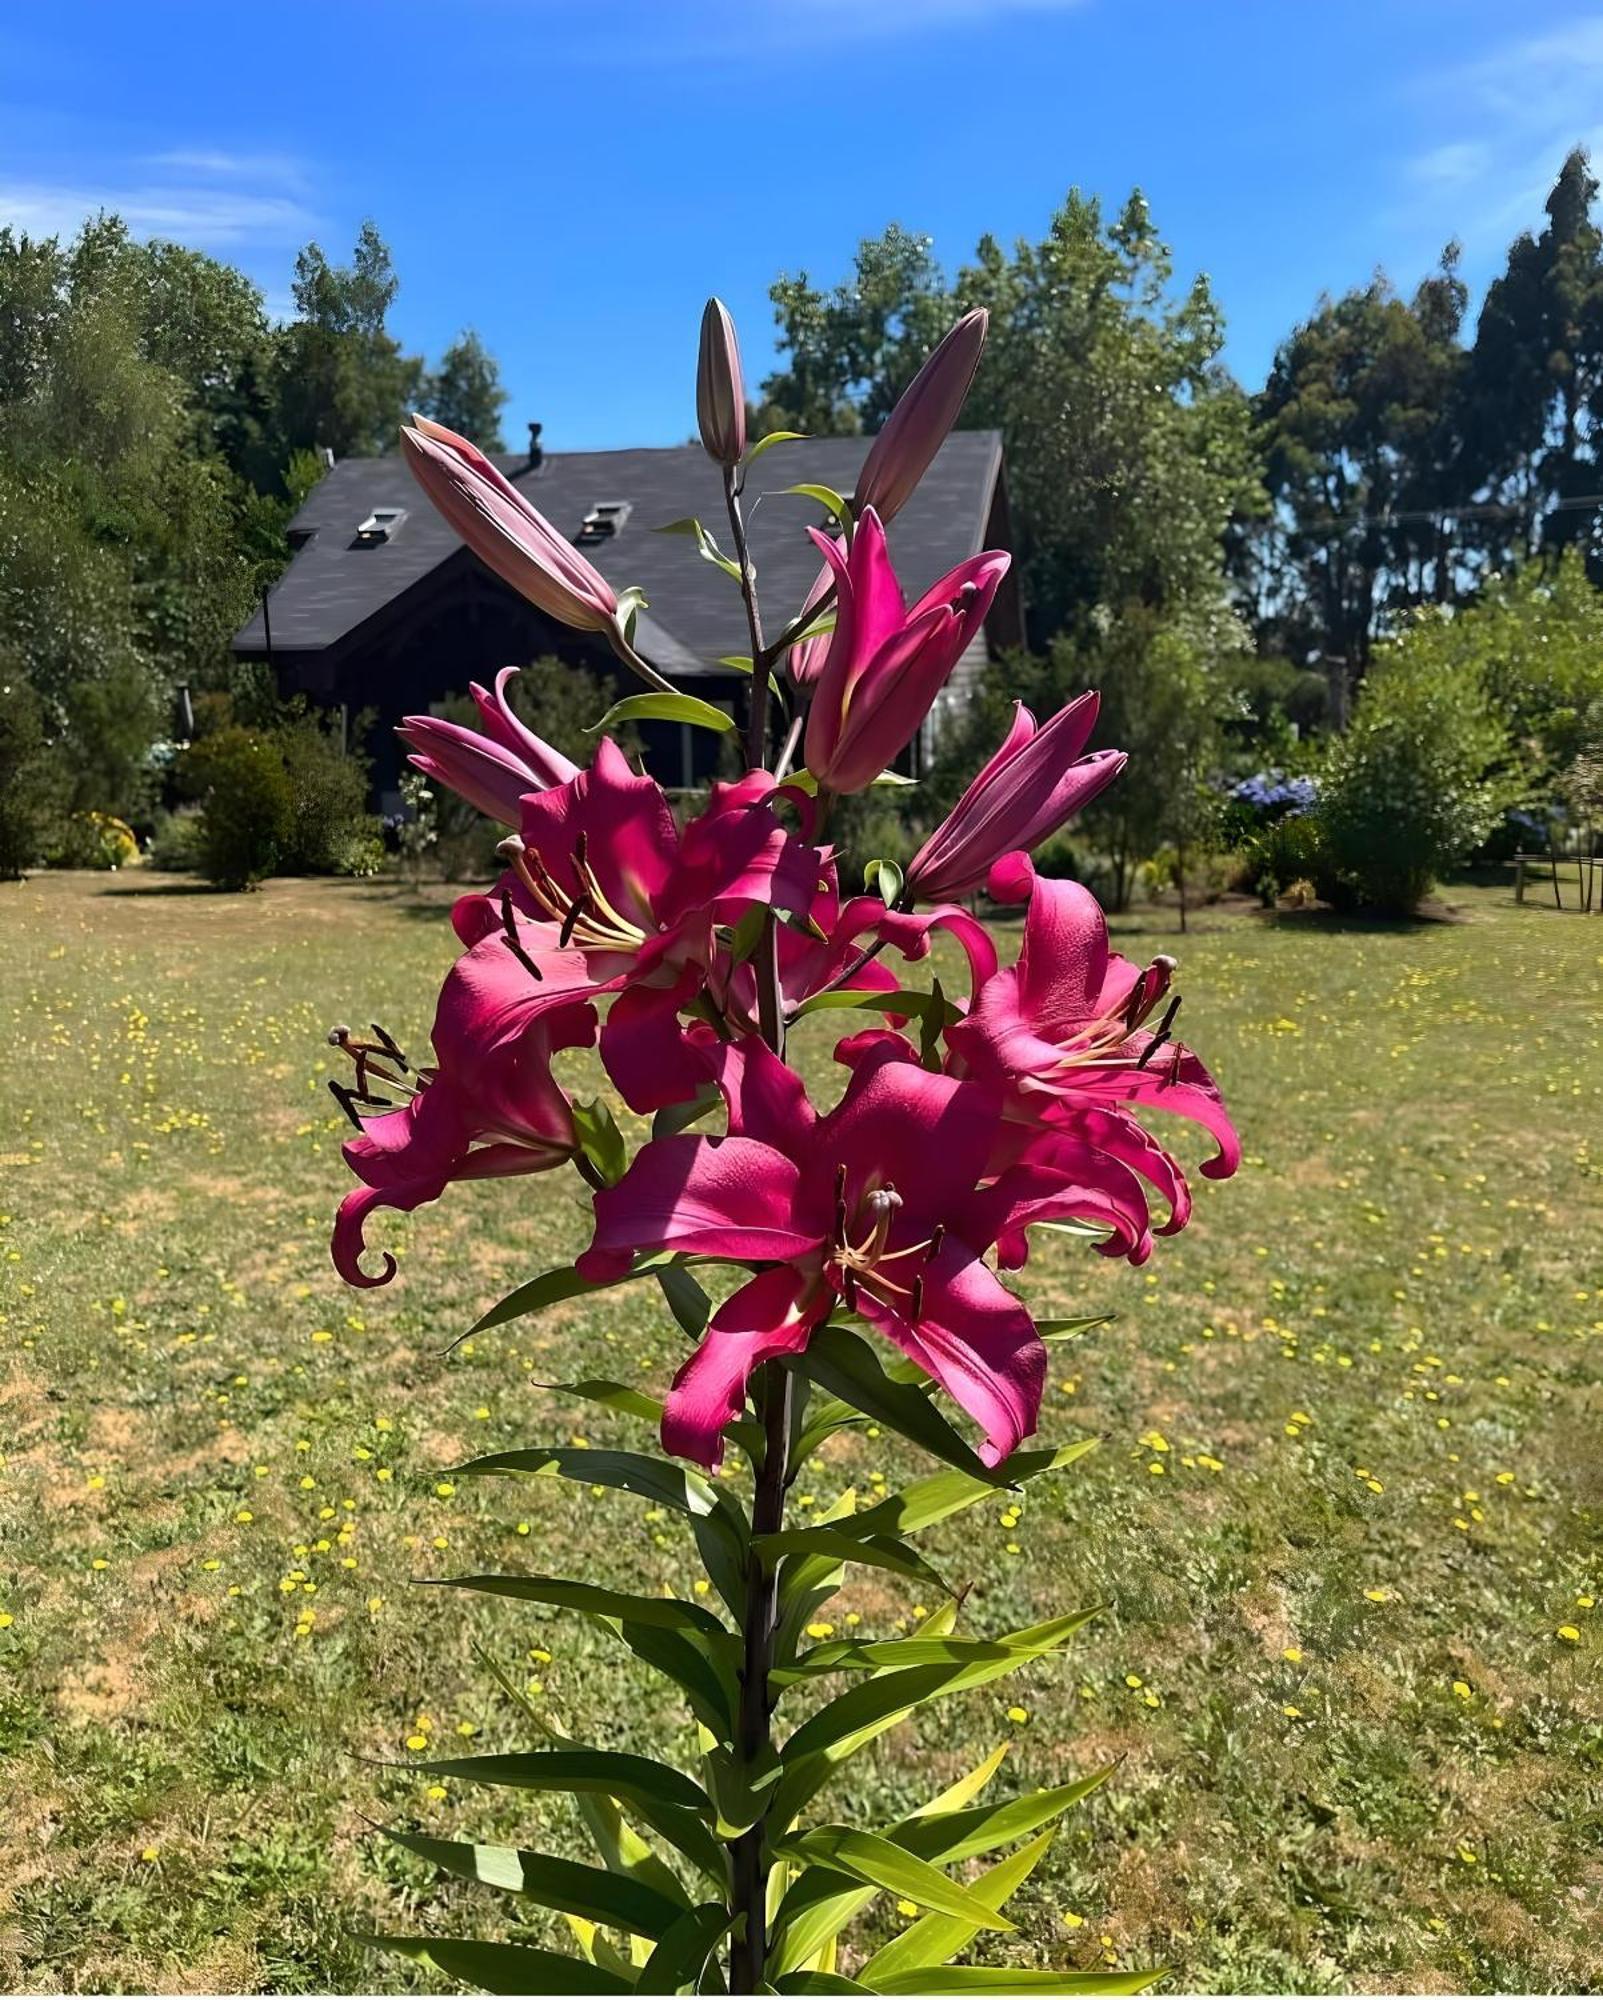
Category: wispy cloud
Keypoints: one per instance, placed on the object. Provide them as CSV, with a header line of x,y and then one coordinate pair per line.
x,y
211,200
1509,117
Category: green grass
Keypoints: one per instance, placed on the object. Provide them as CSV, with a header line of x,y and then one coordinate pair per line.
x,y
1350,1492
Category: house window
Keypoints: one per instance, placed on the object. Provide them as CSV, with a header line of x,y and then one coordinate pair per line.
x,y
380,526
602,522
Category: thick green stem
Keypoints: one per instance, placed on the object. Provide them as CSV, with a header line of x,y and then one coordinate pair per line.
x,y
749,1859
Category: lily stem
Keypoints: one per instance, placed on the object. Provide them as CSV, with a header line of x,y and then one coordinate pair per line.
x,y
749,1859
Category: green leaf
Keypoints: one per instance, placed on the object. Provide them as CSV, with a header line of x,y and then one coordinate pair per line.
x,y
706,547
573,1887
958,1979
885,877
618,1773
502,1968
762,444
911,1001
957,1836
890,1695
824,1418
664,708
740,662
874,1859
549,1289
837,1360
818,1982
618,1396
703,1669
1067,1329
873,1551
935,1939
826,496
600,1139
677,1964
929,1500
671,1613
634,1472
887,1655
688,1303
820,1903
844,1725
674,1118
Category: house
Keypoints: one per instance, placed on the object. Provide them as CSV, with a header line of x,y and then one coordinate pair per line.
x,y
382,608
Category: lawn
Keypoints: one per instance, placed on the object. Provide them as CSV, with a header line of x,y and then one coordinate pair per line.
x,y
1347,1521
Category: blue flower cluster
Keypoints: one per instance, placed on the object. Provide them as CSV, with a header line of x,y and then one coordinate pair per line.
x,y
1275,795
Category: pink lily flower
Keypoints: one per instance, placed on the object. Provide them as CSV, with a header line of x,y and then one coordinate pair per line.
x,y
886,664
1063,1033
872,1207
601,868
491,768
490,1108
1034,783
507,531
925,411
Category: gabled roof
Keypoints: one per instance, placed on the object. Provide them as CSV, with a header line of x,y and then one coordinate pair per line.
x,y
333,585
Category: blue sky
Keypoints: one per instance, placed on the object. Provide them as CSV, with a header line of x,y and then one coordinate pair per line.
x,y
572,177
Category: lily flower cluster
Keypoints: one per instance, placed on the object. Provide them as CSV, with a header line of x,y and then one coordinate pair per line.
x,y
688,953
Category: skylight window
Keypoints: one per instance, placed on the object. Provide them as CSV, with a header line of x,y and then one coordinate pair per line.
x,y
380,526
603,521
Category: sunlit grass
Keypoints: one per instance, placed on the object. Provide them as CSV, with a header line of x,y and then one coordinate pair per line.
x,y
1346,1521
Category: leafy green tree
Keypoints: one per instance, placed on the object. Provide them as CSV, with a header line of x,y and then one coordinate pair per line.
x,y
1358,425
1537,383
465,392
1128,446
343,383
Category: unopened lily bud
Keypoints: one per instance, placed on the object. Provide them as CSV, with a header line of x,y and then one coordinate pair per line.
x,y
917,427
720,388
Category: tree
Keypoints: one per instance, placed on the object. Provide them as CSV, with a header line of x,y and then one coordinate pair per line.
x,y
343,384
465,394
1537,383
1128,447
1358,429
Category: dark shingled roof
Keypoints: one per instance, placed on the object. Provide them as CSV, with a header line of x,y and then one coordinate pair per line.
x,y
332,586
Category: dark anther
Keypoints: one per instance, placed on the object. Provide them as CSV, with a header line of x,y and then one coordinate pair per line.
x,y
581,848
570,923
348,1099
916,1306
937,1238
390,1047
514,943
1162,1033
848,1287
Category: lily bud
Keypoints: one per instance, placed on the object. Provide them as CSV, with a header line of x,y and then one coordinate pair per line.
x,y
924,413
720,388
1035,781
502,528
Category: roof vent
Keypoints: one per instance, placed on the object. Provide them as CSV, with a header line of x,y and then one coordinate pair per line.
x,y
380,526
603,521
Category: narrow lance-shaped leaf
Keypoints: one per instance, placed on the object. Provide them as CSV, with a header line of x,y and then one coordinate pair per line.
x,y
960,1979
564,1593
678,1963
573,1887
664,708
936,1938
837,1360
873,1858
503,1968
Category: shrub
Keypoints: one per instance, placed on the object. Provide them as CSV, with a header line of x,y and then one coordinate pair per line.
x,y
1286,850
177,844
248,806
331,831
1421,776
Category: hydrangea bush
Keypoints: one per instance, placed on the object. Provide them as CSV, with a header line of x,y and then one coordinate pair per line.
x,y
832,1264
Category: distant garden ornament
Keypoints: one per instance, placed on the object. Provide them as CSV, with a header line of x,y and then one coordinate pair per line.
x,y
866,1236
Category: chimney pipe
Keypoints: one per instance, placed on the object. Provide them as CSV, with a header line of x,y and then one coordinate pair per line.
x,y
536,455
